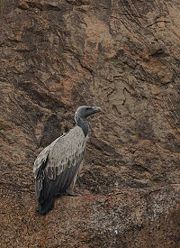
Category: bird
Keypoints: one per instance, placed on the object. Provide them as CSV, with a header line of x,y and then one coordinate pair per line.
x,y
57,166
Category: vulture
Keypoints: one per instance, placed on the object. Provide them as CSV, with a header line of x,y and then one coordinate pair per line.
x,y
57,166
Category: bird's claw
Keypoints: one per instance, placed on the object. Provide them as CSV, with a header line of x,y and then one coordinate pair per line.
x,y
71,193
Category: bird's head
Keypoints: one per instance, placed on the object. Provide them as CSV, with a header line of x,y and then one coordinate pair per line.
x,y
84,111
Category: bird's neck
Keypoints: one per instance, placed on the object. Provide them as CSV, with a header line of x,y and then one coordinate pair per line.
x,y
83,124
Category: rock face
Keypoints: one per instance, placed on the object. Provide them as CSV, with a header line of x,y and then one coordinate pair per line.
x,y
123,56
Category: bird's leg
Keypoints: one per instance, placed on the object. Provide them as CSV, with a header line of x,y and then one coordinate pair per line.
x,y
71,193
70,190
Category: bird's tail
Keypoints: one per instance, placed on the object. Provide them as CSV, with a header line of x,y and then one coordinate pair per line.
x,y
46,206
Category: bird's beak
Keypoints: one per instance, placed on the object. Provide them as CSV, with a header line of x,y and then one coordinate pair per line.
x,y
96,109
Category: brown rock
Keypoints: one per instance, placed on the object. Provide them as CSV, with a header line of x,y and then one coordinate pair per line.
x,y
124,57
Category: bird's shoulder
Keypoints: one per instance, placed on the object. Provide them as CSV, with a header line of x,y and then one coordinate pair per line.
x,y
71,145
72,140
43,155
65,151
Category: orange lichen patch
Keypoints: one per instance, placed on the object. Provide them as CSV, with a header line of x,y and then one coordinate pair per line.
x,y
67,87
98,35
156,67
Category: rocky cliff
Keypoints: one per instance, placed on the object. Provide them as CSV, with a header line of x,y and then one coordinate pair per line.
x,y
122,55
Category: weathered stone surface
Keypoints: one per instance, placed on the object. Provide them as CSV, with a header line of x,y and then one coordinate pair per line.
x,y
122,56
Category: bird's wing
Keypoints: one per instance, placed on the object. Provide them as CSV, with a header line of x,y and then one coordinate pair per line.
x,y
42,157
59,162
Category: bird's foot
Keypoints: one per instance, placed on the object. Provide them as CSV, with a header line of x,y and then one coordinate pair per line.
x,y
72,193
